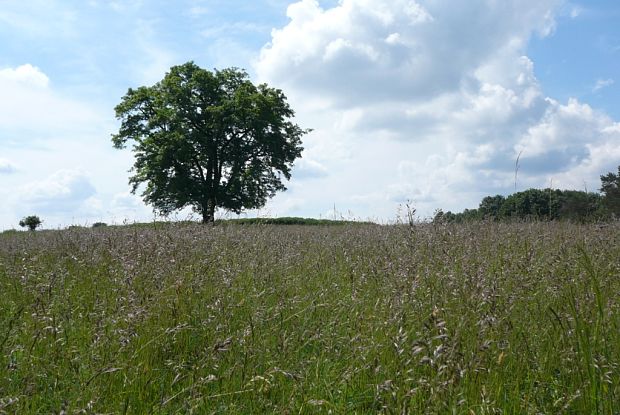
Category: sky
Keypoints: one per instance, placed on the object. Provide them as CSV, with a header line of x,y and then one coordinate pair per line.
x,y
420,102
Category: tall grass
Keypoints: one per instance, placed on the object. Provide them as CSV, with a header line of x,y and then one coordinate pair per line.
x,y
477,318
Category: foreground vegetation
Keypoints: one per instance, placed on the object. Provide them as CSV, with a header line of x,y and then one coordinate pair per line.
x,y
440,318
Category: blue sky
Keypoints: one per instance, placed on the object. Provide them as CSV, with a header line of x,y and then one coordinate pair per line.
x,y
584,49
420,101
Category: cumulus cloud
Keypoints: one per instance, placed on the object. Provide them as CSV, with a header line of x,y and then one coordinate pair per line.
x,y
59,137
29,103
27,75
432,101
398,49
66,141
63,192
567,141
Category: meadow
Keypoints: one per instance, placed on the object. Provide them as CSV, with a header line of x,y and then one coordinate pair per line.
x,y
474,318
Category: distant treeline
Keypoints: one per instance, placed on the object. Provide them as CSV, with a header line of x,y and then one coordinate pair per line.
x,y
546,204
286,221
236,221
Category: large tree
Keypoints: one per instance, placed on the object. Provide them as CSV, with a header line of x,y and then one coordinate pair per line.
x,y
208,140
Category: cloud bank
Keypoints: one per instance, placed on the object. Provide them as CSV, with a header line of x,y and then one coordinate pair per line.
x,y
431,102
68,167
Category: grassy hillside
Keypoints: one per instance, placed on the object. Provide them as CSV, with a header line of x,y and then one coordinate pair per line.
x,y
474,318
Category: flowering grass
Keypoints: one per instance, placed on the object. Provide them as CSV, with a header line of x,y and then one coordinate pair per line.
x,y
477,318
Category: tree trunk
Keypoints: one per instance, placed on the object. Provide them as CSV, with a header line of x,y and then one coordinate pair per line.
x,y
208,212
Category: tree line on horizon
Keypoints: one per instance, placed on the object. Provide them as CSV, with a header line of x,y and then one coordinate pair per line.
x,y
546,204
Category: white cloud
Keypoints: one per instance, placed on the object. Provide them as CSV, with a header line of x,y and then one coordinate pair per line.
x,y
27,75
63,192
125,206
343,50
62,139
6,167
602,83
575,11
126,202
198,11
69,197
567,142
307,168
29,103
429,101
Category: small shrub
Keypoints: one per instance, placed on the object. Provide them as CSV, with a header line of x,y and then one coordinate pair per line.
x,y
31,222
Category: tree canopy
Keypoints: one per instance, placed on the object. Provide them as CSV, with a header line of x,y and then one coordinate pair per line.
x,y
208,140
538,204
610,187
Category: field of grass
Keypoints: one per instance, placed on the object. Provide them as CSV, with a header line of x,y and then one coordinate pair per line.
x,y
478,318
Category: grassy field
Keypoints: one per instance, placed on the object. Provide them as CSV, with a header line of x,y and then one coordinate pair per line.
x,y
479,318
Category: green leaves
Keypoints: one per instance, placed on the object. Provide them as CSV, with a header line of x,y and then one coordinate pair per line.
x,y
31,222
208,139
610,186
